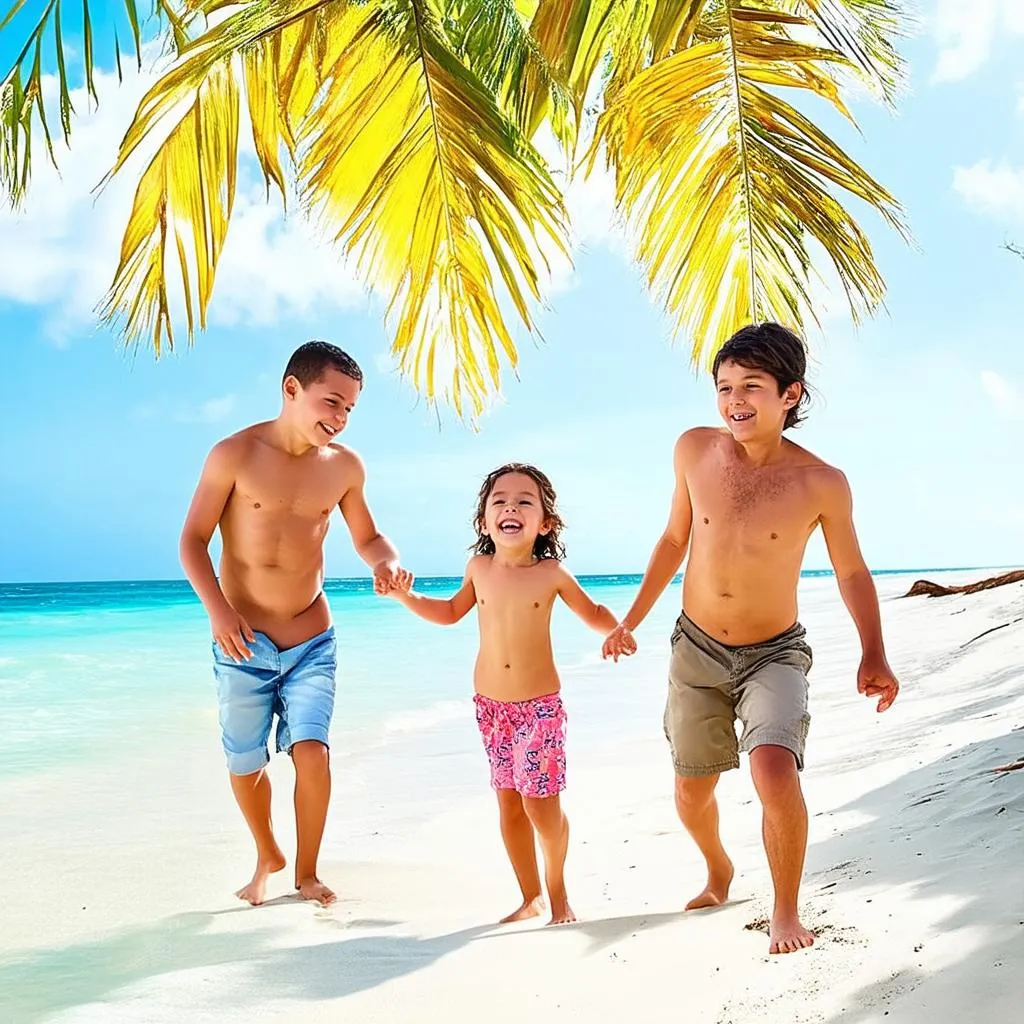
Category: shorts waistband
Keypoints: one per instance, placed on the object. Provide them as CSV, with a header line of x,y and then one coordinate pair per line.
x,y
685,625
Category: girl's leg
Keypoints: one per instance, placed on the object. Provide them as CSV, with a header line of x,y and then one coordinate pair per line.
x,y
553,831
517,832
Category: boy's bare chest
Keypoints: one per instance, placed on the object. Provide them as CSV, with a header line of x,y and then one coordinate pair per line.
x,y
271,486
752,501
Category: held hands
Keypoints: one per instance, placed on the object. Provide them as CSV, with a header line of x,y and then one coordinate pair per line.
x,y
389,577
876,679
618,643
231,632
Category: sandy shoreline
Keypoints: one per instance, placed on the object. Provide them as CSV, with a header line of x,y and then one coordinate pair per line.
x,y
120,911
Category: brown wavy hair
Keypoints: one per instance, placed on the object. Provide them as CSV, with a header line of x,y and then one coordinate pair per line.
x,y
775,350
547,545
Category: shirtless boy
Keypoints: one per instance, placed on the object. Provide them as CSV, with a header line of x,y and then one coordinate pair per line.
x,y
271,489
746,502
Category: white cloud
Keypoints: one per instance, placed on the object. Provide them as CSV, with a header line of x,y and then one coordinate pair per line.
x,y
994,189
966,31
60,250
1004,395
216,410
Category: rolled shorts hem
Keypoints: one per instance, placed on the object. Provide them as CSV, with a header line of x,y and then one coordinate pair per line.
x,y
765,738
699,770
305,733
248,763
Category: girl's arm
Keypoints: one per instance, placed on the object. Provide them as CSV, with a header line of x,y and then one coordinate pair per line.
x,y
440,611
596,616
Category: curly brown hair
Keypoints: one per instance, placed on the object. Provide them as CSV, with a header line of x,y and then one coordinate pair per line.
x,y
547,545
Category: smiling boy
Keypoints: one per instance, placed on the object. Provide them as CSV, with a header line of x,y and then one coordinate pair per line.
x,y
271,489
746,502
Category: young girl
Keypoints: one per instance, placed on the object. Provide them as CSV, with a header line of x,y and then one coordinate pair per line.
x,y
514,578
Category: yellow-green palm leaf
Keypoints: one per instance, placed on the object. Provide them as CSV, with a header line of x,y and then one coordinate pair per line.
x,y
395,144
726,183
45,25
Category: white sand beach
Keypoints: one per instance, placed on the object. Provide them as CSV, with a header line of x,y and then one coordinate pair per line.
x,y
117,882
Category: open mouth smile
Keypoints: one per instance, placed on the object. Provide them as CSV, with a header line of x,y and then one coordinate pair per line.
x,y
329,431
510,527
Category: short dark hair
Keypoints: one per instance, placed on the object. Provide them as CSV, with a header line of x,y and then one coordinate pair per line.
x,y
309,361
547,545
772,349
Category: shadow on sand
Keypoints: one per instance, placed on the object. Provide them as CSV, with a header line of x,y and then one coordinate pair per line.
x,y
43,983
953,831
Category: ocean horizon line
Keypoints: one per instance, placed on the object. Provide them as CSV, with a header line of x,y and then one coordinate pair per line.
x,y
353,582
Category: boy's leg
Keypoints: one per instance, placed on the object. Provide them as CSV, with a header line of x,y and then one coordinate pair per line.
x,y
252,792
773,708
246,694
784,827
307,704
552,827
698,811
520,844
312,797
700,727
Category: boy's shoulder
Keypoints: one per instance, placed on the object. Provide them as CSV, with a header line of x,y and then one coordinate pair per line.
x,y
344,457
698,440
240,443
823,476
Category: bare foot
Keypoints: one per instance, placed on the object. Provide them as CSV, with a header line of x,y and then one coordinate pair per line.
x,y
315,890
561,912
529,908
255,892
716,892
788,935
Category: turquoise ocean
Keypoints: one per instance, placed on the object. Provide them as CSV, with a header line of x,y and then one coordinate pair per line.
x,y
95,669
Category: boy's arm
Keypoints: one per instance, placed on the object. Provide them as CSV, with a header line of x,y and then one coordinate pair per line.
x,y
671,548
217,481
440,611
370,544
857,588
595,615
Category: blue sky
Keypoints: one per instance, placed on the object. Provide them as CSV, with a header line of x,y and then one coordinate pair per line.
x,y
923,407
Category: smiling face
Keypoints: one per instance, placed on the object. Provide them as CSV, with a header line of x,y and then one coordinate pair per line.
x,y
514,514
320,410
750,402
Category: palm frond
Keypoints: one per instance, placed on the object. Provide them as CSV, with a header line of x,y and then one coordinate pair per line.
x,y
397,146
493,39
23,97
645,32
186,194
726,183
866,33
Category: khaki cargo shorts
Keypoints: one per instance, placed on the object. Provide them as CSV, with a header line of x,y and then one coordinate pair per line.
x,y
710,685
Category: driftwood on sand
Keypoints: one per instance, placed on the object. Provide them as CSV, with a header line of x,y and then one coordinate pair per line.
x,y
925,588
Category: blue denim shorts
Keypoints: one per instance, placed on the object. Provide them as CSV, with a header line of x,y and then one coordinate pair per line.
x,y
297,685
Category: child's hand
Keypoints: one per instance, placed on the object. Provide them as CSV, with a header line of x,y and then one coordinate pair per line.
x,y
231,632
618,643
876,679
391,579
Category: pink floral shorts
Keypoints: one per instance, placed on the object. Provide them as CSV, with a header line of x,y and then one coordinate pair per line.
x,y
525,743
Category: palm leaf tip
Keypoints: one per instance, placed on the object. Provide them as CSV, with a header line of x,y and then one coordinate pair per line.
x,y
438,196
726,183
